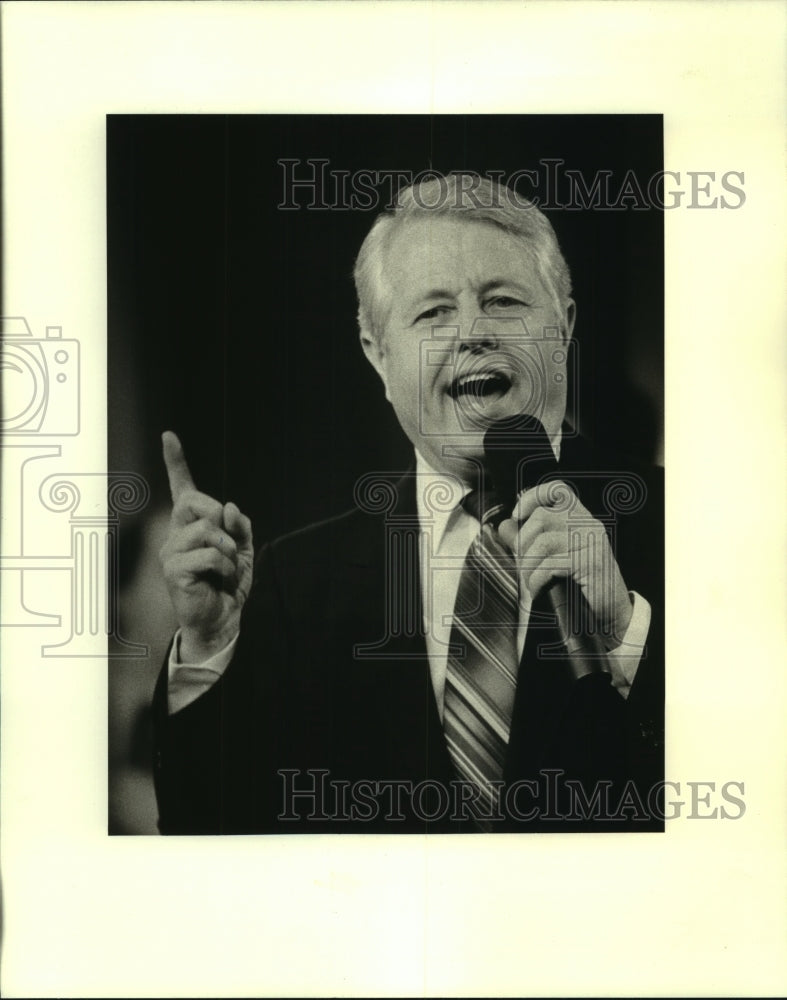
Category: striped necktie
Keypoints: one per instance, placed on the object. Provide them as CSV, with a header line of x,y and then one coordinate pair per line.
x,y
482,662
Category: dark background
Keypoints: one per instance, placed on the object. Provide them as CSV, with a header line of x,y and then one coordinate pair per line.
x,y
232,322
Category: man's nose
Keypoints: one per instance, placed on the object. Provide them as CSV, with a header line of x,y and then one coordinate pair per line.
x,y
478,334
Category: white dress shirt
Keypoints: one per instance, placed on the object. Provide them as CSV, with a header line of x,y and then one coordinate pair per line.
x,y
447,531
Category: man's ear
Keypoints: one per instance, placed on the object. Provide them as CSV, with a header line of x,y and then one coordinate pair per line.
x,y
571,315
375,355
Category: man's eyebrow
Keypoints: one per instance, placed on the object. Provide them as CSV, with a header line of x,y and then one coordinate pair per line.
x,y
434,293
494,283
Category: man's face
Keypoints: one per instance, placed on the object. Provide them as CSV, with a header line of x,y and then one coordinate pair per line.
x,y
472,335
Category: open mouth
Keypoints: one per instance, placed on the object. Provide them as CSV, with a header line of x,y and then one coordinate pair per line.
x,y
479,385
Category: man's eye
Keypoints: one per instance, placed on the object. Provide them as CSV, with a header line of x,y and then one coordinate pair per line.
x,y
505,302
432,313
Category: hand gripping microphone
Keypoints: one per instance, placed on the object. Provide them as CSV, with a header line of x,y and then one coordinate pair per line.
x,y
517,456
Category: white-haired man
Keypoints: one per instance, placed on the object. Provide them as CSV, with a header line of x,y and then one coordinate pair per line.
x,y
332,688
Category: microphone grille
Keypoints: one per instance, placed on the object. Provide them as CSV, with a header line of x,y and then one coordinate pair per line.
x,y
517,454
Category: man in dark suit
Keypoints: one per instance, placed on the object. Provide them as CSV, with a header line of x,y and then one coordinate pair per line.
x,y
344,682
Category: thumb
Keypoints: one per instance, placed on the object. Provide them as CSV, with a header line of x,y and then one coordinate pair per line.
x,y
178,471
238,525
508,531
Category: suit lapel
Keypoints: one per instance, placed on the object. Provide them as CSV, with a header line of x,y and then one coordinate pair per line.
x,y
392,670
544,681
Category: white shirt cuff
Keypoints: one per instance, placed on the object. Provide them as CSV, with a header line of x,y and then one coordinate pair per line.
x,y
187,681
624,660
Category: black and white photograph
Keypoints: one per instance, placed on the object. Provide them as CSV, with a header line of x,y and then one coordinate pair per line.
x,y
360,335
392,563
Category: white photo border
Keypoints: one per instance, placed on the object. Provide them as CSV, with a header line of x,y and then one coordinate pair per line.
x,y
698,910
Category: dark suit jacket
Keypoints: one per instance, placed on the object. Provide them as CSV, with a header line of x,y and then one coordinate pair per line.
x,y
329,691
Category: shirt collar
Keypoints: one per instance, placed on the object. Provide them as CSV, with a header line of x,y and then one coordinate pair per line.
x,y
437,495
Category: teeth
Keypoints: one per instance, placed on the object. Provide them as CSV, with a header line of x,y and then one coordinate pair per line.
x,y
483,377
479,383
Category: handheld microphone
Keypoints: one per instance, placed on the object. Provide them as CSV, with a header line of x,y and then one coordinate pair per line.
x,y
517,456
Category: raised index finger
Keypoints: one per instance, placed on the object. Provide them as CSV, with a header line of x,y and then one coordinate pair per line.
x,y
177,467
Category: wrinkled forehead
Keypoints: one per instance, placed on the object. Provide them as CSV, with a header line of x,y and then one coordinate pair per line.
x,y
429,238
450,248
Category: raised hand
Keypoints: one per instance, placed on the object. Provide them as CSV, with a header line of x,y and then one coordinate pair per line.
x,y
207,559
